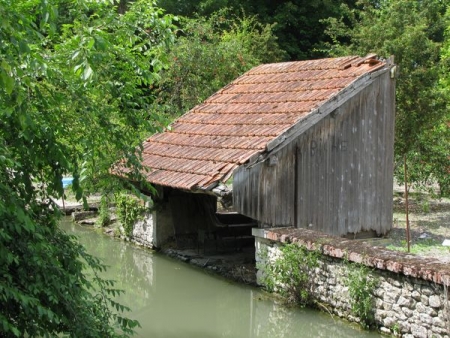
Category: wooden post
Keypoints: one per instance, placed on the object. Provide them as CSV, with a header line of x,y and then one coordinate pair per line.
x,y
408,232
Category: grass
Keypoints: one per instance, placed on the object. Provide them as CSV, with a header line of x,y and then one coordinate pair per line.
x,y
422,247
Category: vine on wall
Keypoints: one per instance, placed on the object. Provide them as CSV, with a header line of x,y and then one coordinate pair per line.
x,y
129,209
289,274
361,286
104,217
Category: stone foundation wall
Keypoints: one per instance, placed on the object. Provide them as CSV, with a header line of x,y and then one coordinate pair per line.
x,y
143,231
410,299
155,229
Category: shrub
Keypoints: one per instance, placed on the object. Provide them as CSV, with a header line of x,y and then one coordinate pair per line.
x,y
289,274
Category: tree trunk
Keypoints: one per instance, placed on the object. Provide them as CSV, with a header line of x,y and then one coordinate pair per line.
x,y
408,232
122,6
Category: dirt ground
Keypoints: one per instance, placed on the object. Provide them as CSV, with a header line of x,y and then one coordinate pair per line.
x,y
234,265
429,220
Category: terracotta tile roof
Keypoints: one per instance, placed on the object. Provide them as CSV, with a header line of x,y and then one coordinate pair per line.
x,y
206,144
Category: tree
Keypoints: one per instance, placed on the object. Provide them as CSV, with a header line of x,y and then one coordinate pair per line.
x,y
297,24
441,142
412,31
210,53
71,102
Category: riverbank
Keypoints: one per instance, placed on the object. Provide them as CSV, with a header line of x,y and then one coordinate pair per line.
x,y
237,262
429,221
237,266
174,299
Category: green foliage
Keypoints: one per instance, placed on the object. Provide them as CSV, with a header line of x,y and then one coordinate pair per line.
x,y
395,328
420,247
441,140
49,284
110,62
129,209
361,287
296,23
71,103
412,31
289,274
104,217
210,53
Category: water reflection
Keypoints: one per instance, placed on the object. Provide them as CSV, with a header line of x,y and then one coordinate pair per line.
x,y
173,299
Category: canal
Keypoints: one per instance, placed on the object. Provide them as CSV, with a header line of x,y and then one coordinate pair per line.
x,y
172,299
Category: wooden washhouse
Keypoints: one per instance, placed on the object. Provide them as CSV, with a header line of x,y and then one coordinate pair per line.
x,y
306,144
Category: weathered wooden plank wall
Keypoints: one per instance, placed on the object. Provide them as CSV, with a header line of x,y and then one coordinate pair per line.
x,y
266,191
336,177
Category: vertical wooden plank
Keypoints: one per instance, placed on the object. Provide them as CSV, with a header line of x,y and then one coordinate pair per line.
x,y
336,176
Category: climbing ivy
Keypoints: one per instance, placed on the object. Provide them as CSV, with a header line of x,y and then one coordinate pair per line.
x,y
289,274
129,209
361,288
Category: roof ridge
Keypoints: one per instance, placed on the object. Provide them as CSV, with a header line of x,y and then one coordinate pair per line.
x,y
253,114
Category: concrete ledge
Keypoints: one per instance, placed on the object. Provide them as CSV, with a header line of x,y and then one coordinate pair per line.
x,y
380,258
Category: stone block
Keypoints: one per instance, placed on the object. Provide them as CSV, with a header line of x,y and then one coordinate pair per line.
x,y
404,326
408,312
420,308
419,331
394,266
425,319
416,295
426,290
408,287
394,282
401,316
387,306
432,312
435,335
424,300
402,301
389,321
440,331
385,330
412,304
379,292
392,295
81,215
436,321
381,314
355,257
396,308
435,301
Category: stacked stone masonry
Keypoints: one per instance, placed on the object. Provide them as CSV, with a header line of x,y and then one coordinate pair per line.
x,y
143,231
410,299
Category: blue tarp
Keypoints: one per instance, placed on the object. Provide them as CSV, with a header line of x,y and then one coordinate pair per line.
x,y
66,181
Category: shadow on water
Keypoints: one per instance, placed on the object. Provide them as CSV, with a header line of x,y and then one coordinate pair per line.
x,y
174,299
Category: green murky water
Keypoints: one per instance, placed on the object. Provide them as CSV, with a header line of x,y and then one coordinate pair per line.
x,y
172,299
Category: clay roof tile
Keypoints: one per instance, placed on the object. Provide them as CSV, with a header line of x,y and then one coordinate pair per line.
x,y
238,121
